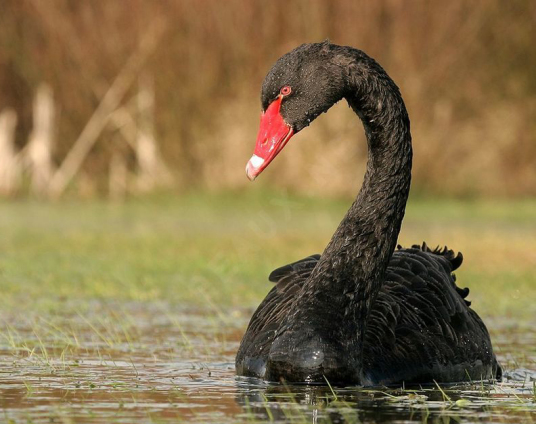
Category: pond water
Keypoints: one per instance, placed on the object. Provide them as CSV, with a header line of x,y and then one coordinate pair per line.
x,y
153,362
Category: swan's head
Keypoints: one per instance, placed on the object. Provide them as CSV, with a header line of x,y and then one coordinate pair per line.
x,y
300,86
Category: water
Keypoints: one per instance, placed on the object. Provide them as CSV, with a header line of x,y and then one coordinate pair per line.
x,y
151,362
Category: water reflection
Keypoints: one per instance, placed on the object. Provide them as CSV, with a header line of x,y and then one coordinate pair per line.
x,y
382,405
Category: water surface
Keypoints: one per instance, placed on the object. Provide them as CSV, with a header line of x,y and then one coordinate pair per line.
x,y
153,362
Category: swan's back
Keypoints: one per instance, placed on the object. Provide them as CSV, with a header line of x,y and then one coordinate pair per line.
x,y
420,328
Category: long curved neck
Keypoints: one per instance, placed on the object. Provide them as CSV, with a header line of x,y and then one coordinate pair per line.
x,y
351,270
360,250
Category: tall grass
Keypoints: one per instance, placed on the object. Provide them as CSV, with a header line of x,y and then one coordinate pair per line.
x,y
466,71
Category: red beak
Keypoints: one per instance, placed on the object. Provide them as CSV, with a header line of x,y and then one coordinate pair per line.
x,y
274,133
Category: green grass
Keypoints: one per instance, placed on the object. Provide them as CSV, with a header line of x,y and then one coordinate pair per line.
x,y
220,248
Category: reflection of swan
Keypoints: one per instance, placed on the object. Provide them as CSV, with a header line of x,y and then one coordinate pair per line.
x,y
359,313
314,403
279,403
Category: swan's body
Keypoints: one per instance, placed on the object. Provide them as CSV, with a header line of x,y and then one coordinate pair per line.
x,y
362,312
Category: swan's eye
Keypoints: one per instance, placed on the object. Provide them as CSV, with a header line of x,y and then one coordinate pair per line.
x,y
286,90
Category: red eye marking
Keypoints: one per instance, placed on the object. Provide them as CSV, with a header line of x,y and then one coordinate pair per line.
x,y
286,90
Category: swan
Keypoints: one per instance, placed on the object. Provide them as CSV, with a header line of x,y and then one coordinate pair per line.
x,y
366,311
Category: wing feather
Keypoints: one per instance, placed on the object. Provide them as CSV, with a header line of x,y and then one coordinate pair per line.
x,y
420,315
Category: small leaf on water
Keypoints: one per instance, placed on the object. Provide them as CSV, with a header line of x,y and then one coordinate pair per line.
x,y
463,402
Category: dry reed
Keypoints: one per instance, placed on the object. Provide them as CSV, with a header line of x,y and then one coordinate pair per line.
x,y
466,70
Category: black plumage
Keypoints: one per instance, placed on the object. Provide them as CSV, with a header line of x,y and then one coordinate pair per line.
x,y
363,312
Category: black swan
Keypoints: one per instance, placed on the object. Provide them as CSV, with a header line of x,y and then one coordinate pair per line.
x,y
364,312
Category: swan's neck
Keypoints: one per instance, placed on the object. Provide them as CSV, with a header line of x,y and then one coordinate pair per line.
x,y
360,250
350,273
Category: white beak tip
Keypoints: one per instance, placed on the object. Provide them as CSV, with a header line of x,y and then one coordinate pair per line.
x,y
253,167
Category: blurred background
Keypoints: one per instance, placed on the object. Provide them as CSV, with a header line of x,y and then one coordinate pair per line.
x,y
129,233
110,98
